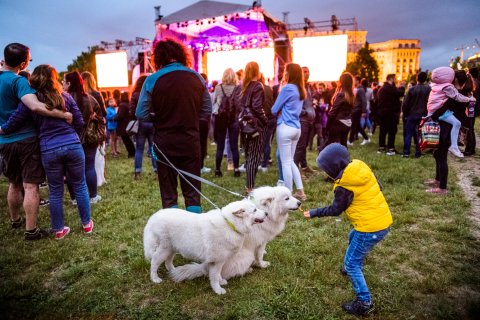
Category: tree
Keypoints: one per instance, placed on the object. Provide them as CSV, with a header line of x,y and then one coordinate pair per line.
x,y
364,64
85,61
456,64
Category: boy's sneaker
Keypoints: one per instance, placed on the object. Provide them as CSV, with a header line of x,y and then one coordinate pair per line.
x,y
17,224
359,308
88,228
59,235
95,199
37,234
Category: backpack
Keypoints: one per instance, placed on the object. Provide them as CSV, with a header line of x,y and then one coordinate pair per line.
x,y
225,107
247,121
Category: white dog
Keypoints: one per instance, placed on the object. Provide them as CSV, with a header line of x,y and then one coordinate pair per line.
x,y
276,201
212,237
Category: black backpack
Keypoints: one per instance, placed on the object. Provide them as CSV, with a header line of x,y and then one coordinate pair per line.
x,y
225,107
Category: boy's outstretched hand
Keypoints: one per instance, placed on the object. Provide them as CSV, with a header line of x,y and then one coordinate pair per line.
x,y
306,214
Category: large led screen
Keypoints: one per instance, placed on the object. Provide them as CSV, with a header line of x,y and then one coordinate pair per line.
x,y
112,69
218,61
325,56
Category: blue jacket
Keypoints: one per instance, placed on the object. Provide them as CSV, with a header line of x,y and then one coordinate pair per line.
x,y
52,132
111,123
289,104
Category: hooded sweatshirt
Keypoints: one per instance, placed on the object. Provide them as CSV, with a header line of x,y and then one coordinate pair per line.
x,y
442,89
356,189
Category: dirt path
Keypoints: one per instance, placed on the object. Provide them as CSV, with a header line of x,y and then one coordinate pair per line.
x,y
468,171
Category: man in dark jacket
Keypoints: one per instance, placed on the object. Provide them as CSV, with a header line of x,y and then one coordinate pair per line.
x,y
414,107
307,117
359,110
389,114
175,98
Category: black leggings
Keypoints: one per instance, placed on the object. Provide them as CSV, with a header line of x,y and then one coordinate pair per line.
x,y
221,129
440,155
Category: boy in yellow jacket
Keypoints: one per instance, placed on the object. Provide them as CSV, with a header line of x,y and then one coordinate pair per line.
x,y
358,193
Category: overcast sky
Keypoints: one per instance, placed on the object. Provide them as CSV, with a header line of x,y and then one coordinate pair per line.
x,y
57,31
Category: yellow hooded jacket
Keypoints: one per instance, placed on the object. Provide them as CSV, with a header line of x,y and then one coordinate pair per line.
x,y
369,211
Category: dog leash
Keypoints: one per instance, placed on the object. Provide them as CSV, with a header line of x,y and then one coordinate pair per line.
x,y
183,173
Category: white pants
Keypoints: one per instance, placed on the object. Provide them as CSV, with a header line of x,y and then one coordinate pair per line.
x,y
287,139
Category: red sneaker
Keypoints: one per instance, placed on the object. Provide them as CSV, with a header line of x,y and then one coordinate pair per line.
x,y
88,228
61,234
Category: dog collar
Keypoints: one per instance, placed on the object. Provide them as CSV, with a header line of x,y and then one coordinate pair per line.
x,y
231,225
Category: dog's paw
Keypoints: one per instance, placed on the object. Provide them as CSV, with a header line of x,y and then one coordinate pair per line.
x,y
156,279
223,282
220,291
264,264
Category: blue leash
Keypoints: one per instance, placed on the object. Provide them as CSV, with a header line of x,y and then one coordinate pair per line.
x,y
183,173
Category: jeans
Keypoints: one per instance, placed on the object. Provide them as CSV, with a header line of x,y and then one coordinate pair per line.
x,y
300,154
67,160
222,127
359,244
287,139
411,130
145,132
267,140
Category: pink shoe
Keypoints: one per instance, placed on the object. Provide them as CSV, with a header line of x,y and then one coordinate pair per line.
x,y
61,234
88,228
437,191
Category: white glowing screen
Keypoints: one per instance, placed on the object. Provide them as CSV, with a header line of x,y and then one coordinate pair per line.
x,y
218,61
112,70
325,56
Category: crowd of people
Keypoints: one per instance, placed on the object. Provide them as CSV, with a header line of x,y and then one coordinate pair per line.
x,y
57,130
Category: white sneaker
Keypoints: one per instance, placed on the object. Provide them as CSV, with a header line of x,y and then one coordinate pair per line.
x,y
280,183
456,152
263,169
349,144
205,170
365,141
74,202
95,199
242,168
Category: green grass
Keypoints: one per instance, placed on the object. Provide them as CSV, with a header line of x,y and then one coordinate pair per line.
x,y
427,267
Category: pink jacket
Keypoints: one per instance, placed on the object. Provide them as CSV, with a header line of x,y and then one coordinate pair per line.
x,y
442,89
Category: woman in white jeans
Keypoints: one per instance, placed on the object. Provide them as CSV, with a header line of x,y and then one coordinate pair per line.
x,y
287,108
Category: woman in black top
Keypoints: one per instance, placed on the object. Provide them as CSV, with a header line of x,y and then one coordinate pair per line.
x,y
339,116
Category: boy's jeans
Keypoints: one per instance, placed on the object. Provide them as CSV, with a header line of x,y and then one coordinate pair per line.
x,y
359,244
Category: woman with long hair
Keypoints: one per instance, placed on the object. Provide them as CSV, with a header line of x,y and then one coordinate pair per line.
x,y
225,121
73,84
287,108
123,118
252,95
339,117
91,89
60,147
145,130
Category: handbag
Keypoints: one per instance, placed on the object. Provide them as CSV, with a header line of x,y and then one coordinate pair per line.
x,y
429,134
132,127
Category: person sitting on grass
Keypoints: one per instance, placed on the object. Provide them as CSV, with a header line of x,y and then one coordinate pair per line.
x,y
359,194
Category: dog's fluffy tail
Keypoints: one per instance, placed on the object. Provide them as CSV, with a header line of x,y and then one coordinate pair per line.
x,y
189,271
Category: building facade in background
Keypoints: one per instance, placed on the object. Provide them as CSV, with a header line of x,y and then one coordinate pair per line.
x,y
400,56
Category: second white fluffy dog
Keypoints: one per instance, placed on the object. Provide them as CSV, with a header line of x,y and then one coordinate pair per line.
x,y
212,237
